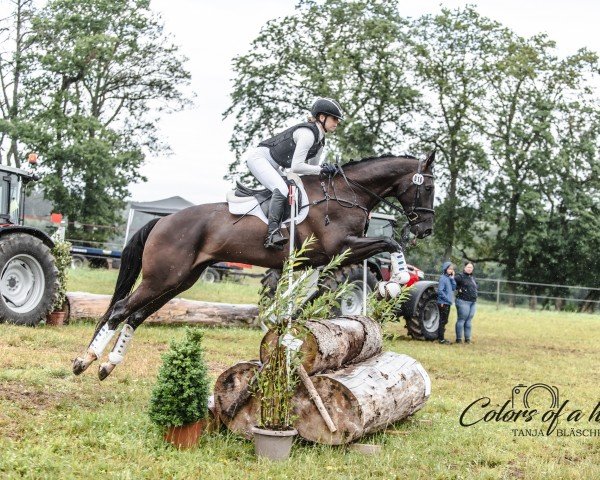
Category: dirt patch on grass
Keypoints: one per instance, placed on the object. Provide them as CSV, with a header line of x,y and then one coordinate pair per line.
x,y
29,398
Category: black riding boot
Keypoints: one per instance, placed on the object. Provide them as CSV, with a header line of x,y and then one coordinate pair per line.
x,y
276,209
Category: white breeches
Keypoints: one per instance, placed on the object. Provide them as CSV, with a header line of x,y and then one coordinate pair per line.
x,y
399,269
258,163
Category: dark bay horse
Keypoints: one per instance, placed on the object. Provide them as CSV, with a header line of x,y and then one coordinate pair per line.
x,y
172,252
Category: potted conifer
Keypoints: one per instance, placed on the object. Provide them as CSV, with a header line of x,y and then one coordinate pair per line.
x,y
179,402
285,313
62,259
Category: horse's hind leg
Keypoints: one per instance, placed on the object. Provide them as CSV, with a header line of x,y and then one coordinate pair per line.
x,y
117,355
103,334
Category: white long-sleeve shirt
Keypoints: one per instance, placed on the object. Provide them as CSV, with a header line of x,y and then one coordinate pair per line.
x,y
304,139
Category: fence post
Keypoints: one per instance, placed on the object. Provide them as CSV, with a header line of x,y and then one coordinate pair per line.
x,y
497,294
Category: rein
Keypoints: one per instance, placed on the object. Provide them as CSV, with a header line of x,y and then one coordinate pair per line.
x,y
412,215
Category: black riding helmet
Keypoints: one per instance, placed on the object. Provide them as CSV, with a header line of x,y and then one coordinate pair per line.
x,y
328,106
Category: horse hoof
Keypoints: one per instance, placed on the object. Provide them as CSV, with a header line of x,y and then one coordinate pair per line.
x,y
80,365
105,370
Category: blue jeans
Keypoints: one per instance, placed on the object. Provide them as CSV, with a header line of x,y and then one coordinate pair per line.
x,y
465,312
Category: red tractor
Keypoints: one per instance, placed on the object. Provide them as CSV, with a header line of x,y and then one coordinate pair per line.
x,y
420,311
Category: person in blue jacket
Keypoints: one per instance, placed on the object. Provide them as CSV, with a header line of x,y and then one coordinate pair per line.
x,y
445,299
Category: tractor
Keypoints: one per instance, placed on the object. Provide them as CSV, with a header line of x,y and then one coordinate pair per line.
x,y
420,311
28,275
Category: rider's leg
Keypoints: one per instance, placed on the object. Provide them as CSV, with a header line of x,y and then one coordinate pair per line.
x,y
266,174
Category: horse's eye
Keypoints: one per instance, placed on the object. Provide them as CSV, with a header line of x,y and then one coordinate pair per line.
x,y
429,188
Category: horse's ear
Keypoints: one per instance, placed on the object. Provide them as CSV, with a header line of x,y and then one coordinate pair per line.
x,y
430,160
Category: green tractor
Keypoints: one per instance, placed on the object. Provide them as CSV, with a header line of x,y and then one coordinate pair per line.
x,y
28,275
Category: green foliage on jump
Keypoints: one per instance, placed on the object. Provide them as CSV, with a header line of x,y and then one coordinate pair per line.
x,y
180,395
62,259
285,313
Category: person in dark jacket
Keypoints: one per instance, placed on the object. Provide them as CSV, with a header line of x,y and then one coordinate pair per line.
x,y
445,298
466,298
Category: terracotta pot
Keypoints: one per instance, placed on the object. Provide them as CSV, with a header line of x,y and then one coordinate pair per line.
x,y
185,436
273,444
56,319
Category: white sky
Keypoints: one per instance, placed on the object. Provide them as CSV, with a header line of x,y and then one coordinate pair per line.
x,y
210,33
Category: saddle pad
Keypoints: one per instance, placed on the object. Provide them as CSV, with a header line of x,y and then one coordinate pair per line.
x,y
250,206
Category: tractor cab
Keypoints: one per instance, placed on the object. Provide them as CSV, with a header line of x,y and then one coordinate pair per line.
x,y
12,196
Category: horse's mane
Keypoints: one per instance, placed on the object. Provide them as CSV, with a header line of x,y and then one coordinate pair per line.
x,y
368,159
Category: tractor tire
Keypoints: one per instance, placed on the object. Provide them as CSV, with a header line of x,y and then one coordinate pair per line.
x,y
210,275
352,303
28,280
423,323
270,280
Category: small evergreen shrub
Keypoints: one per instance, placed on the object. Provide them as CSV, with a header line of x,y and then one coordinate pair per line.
x,y
180,395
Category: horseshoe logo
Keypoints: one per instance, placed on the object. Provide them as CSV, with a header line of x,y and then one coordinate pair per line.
x,y
418,179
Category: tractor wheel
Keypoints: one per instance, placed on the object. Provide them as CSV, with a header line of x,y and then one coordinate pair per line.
x,y
425,319
352,303
269,281
210,275
28,280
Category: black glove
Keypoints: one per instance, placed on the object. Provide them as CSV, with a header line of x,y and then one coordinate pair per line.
x,y
329,169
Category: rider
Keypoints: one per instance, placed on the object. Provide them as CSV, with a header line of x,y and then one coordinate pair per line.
x,y
298,149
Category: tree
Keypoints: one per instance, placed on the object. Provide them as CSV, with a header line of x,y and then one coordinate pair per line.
x,y
349,50
100,71
451,51
528,88
15,31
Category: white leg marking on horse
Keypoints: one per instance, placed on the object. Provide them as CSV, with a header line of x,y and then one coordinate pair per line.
x,y
118,352
101,340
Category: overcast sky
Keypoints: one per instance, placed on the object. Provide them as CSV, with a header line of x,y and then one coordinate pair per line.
x,y
210,33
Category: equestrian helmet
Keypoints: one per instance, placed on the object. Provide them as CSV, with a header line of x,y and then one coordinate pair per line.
x,y
328,106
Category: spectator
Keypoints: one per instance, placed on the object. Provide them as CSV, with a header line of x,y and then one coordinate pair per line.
x,y
466,298
447,285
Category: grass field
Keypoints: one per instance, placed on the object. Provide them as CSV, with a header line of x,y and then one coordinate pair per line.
x,y
55,425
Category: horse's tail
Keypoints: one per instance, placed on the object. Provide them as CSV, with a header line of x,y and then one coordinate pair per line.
x,y
131,265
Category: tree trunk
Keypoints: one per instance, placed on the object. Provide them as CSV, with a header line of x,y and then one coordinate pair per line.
x,y
589,305
331,344
363,398
177,311
234,404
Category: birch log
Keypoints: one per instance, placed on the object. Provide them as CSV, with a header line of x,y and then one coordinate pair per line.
x,y
176,311
234,403
331,344
363,398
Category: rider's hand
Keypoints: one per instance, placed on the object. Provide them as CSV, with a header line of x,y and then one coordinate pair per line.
x,y
328,169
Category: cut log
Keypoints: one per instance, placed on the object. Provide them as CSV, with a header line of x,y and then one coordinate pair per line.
x,y
234,403
363,398
177,311
331,344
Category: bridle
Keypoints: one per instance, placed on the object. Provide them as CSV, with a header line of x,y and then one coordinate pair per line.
x,y
413,213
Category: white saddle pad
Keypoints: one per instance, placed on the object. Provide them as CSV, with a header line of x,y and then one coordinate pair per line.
x,y
249,205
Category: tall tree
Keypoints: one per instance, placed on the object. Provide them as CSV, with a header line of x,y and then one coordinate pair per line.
x,y
349,50
100,73
15,34
451,51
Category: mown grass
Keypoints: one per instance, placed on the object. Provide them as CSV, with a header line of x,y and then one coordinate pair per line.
x,y
56,425
244,290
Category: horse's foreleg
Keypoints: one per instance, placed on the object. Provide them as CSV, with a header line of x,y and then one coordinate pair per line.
x,y
365,247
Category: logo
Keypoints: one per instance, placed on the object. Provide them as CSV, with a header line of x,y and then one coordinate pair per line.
x,y
530,408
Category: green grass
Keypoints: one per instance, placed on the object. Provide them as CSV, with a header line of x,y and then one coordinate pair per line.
x,y
103,281
56,425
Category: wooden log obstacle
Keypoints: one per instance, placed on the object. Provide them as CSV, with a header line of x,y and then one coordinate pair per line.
x,y
362,389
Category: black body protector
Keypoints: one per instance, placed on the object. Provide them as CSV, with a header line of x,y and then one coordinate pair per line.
x,y
282,146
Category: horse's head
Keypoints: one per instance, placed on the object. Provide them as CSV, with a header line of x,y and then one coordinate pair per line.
x,y
415,193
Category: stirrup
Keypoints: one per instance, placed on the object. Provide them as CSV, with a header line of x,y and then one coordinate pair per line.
x,y
275,240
